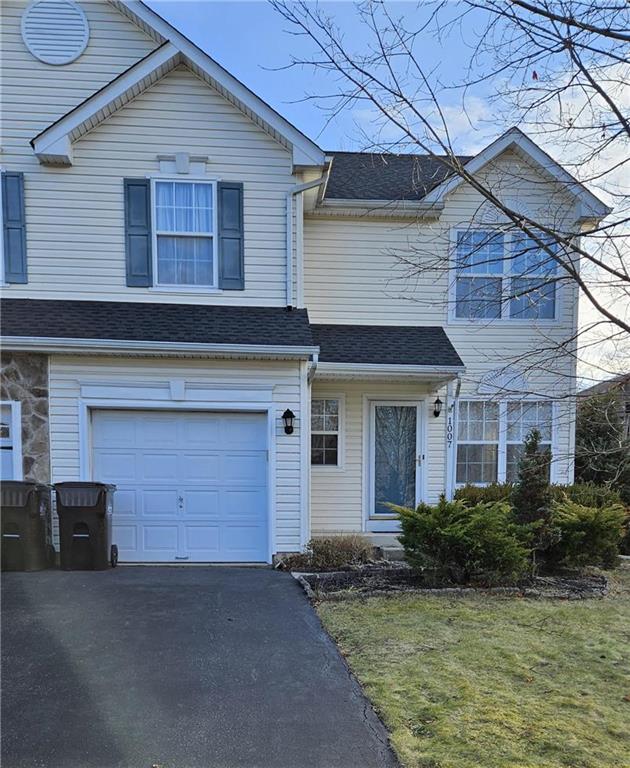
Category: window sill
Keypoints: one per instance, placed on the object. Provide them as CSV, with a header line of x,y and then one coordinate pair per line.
x,y
501,321
327,467
185,291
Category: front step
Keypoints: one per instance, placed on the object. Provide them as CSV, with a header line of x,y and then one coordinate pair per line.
x,y
394,554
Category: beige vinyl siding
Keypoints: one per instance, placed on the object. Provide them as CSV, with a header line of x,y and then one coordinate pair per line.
x,y
75,216
68,374
337,493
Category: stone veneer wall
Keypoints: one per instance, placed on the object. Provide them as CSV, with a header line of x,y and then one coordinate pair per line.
x,y
24,377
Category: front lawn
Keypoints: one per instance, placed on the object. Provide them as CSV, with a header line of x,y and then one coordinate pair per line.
x,y
492,681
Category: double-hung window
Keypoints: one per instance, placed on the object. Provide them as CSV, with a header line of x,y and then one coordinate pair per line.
x,y
185,233
479,256
490,437
532,288
477,442
522,418
503,275
325,428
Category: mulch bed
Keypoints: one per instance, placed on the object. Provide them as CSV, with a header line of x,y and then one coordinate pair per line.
x,y
398,578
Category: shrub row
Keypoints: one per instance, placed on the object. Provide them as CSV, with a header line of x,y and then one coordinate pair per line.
x,y
586,494
464,541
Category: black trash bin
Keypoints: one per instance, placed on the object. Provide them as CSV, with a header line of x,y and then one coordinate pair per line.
x,y
26,526
85,526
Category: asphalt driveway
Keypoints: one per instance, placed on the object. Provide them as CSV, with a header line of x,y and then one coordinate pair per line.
x,y
176,668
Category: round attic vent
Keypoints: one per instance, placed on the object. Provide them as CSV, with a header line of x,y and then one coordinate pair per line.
x,y
55,31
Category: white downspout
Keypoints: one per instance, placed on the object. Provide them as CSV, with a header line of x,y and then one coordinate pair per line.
x,y
296,190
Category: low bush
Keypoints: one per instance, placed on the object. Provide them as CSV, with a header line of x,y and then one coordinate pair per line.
x,y
477,494
331,552
587,535
587,494
463,543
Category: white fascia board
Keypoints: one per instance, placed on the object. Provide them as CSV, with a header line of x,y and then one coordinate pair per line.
x,y
51,344
305,151
433,373
57,138
591,206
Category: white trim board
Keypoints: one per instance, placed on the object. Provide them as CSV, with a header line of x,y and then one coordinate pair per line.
x,y
52,344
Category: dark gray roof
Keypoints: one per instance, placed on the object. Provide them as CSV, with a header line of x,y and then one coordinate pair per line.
x,y
127,321
372,176
385,344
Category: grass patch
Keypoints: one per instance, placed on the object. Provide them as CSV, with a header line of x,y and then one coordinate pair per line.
x,y
495,682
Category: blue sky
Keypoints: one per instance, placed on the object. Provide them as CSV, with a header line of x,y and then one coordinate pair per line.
x,y
263,50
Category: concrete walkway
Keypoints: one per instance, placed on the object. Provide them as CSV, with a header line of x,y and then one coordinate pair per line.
x,y
176,668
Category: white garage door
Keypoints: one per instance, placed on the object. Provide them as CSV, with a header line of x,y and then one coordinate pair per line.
x,y
192,487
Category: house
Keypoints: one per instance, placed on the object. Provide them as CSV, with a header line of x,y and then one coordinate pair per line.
x,y
205,308
619,386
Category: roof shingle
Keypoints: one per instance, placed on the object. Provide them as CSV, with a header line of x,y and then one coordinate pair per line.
x,y
372,176
133,321
385,345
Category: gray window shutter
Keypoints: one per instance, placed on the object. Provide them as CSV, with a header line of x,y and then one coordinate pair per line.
x,y
231,236
138,232
14,225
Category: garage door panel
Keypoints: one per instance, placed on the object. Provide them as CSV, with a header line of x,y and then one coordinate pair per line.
x,y
159,502
242,542
114,464
241,433
201,503
160,467
203,539
156,431
113,429
244,504
126,538
160,538
200,467
191,486
201,433
125,503
243,468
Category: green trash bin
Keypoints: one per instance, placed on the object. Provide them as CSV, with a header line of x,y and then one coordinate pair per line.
x,y
26,526
85,526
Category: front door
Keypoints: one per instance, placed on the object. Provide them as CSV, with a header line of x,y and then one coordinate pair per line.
x,y
395,461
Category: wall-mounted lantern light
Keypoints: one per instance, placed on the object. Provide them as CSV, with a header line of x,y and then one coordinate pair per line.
x,y
287,417
437,407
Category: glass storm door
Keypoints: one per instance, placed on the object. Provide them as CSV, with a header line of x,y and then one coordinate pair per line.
x,y
395,461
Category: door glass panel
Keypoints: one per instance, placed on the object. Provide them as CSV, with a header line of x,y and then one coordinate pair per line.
x,y
395,428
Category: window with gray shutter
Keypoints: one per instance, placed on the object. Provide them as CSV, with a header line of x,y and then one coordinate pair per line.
x,y
138,232
231,236
14,226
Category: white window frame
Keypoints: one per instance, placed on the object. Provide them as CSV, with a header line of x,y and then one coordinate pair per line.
x,y
502,439
16,436
340,433
177,287
506,276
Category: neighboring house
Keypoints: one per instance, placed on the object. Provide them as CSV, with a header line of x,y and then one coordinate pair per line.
x,y
206,309
617,385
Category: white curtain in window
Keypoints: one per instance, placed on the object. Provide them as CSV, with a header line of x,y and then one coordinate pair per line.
x,y
183,207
